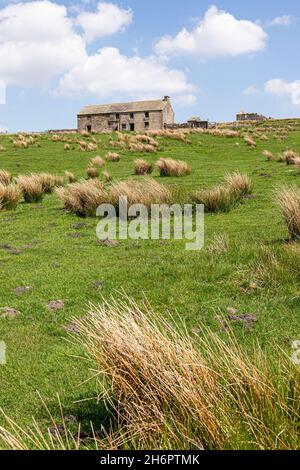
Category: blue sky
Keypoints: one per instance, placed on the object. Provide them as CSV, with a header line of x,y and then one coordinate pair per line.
x,y
213,57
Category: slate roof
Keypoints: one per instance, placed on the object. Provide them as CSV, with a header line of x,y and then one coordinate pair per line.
x,y
135,106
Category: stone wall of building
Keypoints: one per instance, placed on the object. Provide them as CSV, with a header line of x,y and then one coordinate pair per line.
x,y
126,120
250,117
168,115
138,121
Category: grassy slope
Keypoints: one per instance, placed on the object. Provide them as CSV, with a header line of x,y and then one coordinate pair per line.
x,y
196,284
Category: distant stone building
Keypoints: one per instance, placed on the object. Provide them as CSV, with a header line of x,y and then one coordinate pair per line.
x,y
242,116
197,123
137,116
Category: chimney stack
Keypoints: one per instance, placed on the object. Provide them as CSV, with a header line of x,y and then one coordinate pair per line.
x,y
166,98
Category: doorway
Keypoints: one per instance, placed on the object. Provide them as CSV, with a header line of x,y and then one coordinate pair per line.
x,y
132,127
89,128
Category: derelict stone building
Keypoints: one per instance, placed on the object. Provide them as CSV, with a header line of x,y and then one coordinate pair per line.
x,y
137,116
242,116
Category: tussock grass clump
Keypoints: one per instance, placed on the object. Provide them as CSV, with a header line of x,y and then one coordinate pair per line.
x,y
92,147
92,172
144,138
146,191
70,177
142,167
67,147
31,187
288,199
238,184
2,148
5,177
170,167
56,138
112,157
83,198
147,148
87,146
107,176
289,156
216,199
249,141
269,155
49,182
168,391
85,133
10,196
222,198
98,162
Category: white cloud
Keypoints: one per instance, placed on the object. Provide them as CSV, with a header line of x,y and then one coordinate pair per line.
x,y
251,90
109,73
185,100
108,19
218,34
37,42
283,88
284,20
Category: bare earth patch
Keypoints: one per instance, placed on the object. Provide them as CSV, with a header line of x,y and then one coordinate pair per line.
x,y
56,305
109,242
8,312
22,289
75,235
247,319
98,285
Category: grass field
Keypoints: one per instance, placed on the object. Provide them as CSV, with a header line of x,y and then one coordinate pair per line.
x,y
59,256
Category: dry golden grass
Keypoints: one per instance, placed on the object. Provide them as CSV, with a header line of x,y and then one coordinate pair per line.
x,y
216,199
87,146
288,199
70,177
249,141
269,155
83,198
92,172
85,133
31,187
142,167
289,156
143,138
56,138
67,147
107,176
10,196
169,391
239,184
98,162
138,147
92,147
2,148
112,157
5,177
223,197
170,167
49,182
146,191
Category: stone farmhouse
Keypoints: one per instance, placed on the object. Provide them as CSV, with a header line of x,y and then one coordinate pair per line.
x,y
137,116
242,116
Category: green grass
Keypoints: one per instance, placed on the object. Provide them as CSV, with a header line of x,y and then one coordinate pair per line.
x,y
198,285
